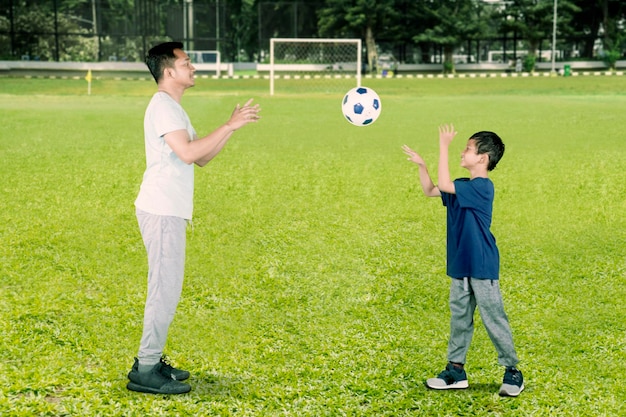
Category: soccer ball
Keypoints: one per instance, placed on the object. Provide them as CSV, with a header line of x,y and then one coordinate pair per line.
x,y
361,106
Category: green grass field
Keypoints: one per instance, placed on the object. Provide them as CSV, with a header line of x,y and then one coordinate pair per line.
x,y
315,281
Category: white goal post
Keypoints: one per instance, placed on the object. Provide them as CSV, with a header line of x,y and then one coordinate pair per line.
x,y
329,62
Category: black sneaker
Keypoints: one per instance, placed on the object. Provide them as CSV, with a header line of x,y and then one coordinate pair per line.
x,y
168,370
154,382
451,378
513,383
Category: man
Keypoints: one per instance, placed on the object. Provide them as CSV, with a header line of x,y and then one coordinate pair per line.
x,y
165,204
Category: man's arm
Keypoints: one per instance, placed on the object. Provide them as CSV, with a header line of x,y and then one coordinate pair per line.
x,y
446,134
201,151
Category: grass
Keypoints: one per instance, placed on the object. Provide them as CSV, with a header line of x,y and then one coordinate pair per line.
x,y
315,281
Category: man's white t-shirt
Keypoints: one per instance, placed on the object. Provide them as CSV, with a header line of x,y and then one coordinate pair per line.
x,y
167,186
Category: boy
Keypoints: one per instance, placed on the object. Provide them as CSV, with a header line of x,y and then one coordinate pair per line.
x,y
165,204
473,259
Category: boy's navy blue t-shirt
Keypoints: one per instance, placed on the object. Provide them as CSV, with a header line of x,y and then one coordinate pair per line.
x,y
471,247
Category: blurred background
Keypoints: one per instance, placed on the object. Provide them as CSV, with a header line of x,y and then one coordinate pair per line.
x,y
395,33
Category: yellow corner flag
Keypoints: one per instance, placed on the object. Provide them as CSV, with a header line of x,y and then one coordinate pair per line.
x,y
88,77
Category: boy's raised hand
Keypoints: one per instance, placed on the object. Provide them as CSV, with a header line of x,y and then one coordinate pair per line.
x,y
446,134
413,156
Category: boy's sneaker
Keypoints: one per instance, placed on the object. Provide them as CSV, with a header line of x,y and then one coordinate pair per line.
x,y
154,382
513,382
168,370
451,378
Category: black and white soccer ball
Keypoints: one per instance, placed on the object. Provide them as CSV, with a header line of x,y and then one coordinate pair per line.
x,y
361,106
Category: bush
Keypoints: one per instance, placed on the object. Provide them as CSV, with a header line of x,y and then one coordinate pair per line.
x,y
528,63
610,58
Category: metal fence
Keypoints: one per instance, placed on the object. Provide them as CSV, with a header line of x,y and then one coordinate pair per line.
x,y
96,30
101,30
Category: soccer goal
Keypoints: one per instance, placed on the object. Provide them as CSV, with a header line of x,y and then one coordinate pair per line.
x,y
322,65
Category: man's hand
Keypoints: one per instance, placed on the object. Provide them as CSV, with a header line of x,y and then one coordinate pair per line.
x,y
242,115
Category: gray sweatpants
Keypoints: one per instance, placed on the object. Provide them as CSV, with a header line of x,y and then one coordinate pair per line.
x,y
465,295
164,238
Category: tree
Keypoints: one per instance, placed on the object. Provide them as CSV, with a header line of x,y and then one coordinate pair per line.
x,y
533,21
286,19
357,18
586,23
241,40
614,33
451,22
410,19
36,30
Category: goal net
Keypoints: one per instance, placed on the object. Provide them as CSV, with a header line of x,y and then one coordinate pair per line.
x,y
314,65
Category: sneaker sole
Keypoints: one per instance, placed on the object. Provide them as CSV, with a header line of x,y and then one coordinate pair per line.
x,y
456,385
504,393
148,390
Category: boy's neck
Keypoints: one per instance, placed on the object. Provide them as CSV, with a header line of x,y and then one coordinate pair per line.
x,y
478,172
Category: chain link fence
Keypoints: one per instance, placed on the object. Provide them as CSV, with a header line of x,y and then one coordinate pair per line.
x,y
123,30
96,30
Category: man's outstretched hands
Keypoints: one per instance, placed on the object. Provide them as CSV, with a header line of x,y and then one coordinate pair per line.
x,y
242,115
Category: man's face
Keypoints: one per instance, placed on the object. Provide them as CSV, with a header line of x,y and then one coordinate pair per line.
x,y
183,71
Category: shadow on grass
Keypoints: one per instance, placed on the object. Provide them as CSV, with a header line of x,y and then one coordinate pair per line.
x,y
202,384
216,385
474,388
489,388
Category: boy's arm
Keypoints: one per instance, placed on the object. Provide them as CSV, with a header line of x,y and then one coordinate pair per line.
x,y
429,188
446,134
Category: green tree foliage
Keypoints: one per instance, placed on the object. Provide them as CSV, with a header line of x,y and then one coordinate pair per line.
x,y
533,21
586,24
243,36
37,30
450,23
614,31
96,29
357,18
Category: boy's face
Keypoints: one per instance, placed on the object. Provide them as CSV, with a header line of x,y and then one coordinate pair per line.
x,y
470,157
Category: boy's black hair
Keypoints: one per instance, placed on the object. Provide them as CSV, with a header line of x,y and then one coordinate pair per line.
x,y
491,144
161,56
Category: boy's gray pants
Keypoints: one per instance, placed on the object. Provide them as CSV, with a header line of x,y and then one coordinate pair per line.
x,y
164,238
465,295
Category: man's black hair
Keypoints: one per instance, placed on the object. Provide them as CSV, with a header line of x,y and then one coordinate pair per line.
x,y
160,57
